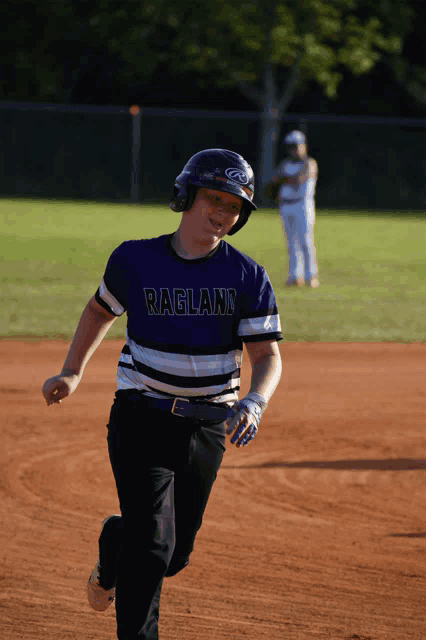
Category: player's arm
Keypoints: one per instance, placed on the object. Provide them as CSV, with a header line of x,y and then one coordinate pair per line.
x,y
266,367
313,169
94,323
309,170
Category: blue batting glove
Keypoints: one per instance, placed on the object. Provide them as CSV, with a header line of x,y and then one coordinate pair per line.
x,y
244,417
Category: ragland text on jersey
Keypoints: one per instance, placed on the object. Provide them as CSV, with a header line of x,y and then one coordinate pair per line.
x,y
184,302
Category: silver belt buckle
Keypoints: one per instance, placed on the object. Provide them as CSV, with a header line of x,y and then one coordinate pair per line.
x,y
173,409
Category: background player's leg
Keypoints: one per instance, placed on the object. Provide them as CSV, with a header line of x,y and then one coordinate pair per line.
x,y
290,229
193,483
312,254
306,235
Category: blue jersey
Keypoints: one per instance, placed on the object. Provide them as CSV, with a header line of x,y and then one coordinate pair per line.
x,y
187,319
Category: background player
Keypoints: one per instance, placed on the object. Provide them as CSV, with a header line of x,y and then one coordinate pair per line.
x,y
192,300
297,176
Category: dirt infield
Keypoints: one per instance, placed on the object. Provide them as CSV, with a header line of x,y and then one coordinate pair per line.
x,y
316,530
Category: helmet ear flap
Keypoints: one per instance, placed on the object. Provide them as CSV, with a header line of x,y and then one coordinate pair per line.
x,y
182,197
177,198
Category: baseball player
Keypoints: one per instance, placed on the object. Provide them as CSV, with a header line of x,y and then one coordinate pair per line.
x,y
296,181
191,300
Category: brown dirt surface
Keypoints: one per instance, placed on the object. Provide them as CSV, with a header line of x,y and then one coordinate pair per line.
x,y
315,530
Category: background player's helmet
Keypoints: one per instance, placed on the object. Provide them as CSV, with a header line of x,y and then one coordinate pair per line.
x,y
215,169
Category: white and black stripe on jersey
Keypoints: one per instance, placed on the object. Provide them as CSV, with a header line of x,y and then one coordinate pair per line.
x,y
187,319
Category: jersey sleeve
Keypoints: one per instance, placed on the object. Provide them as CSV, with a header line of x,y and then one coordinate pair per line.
x,y
260,319
112,293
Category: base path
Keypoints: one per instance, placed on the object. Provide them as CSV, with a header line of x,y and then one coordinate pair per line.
x,y
317,529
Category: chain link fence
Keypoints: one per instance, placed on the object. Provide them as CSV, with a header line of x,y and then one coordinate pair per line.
x,y
122,154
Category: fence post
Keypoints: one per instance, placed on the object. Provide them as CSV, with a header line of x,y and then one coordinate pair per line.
x,y
136,152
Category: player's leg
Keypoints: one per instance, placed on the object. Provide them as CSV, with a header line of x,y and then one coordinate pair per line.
x,y
193,484
141,443
313,282
102,580
295,271
305,226
148,545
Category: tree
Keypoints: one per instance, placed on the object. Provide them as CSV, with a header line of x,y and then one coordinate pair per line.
x,y
267,48
28,66
409,64
54,50
46,46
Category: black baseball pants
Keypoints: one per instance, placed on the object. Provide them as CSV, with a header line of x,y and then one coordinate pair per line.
x,y
164,468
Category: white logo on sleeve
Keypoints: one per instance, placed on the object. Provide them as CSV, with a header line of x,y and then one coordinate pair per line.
x,y
236,175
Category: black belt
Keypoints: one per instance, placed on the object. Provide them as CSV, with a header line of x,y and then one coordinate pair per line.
x,y
187,409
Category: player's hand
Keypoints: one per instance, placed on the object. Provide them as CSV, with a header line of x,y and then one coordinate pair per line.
x,y
243,419
59,387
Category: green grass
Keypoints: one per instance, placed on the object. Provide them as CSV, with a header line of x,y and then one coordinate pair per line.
x,y
372,268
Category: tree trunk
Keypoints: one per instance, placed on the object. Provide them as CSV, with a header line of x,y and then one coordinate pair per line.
x,y
269,133
273,109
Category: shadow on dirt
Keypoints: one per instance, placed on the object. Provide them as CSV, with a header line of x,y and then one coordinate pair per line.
x,y
392,464
407,535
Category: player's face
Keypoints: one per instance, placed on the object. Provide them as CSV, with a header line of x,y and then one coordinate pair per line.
x,y
298,150
213,214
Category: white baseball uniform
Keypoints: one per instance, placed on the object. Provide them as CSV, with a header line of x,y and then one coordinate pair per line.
x,y
297,211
